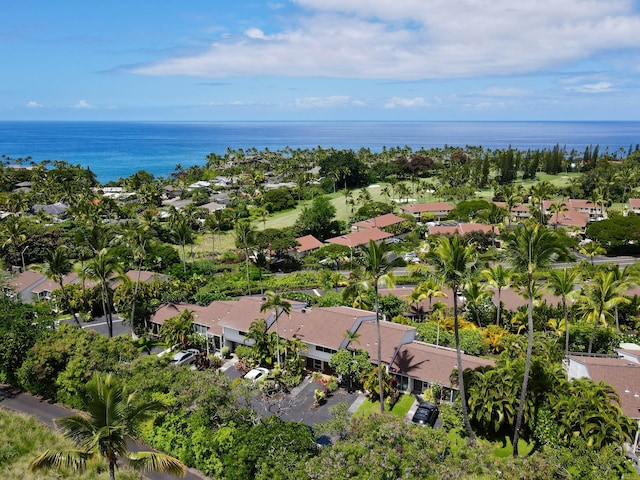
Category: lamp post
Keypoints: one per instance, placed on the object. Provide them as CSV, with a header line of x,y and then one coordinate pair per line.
x,y
22,256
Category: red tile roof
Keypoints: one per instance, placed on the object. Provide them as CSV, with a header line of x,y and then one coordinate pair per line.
x,y
427,207
433,364
380,221
355,239
308,242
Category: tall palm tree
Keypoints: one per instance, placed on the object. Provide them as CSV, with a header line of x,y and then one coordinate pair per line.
x,y
602,295
114,414
136,236
530,248
562,284
103,268
592,249
245,232
377,269
57,266
475,293
13,234
626,277
556,208
498,277
182,234
454,262
279,305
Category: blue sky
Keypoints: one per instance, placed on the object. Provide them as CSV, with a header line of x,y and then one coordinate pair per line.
x,y
320,60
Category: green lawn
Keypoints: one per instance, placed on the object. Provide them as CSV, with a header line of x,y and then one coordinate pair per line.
x,y
400,409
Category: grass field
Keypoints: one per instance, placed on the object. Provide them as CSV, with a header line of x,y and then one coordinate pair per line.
x,y
22,438
400,409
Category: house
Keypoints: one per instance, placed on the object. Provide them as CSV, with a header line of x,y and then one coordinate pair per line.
x,y
23,283
381,221
634,206
439,210
393,336
572,220
595,212
307,244
57,209
417,365
518,211
461,228
622,372
213,206
362,237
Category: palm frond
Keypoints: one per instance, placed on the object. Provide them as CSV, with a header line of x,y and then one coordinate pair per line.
x,y
157,462
72,459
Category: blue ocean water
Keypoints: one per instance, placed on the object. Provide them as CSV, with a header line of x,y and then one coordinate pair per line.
x,y
118,149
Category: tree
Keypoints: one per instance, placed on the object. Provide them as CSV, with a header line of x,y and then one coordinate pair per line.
x,y
114,414
137,237
57,266
453,264
476,297
182,234
245,233
102,269
556,209
498,277
377,269
530,248
280,305
318,219
562,284
178,329
350,364
13,234
618,235
591,249
602,295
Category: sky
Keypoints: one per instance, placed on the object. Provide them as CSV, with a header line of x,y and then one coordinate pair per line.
x,y
320,60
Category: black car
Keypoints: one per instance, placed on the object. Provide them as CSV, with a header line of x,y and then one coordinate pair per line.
x,y
426,414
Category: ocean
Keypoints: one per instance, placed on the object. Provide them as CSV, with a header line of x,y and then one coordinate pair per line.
x,y
118,149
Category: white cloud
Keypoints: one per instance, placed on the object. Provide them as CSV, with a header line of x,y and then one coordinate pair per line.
x,y
82,104
395,102
34,104
326,102
502,92
600,87
417,39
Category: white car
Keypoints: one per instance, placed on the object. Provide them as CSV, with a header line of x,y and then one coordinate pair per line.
x,y
255,374
186,357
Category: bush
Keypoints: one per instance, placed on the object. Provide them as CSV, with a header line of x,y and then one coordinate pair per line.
x,y
225,351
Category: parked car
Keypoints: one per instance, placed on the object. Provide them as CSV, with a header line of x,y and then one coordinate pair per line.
x,y
426,414
186,357
255,374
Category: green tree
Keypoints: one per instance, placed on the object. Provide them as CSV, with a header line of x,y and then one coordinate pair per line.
x,y
114,414
279,305
498,277
103,269
453,264
318,219
57,266
182,234
178,329
261,342
377,269
245,233
562,283
530,248
350,364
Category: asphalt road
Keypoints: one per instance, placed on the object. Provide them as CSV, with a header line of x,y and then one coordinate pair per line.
x,y
46,412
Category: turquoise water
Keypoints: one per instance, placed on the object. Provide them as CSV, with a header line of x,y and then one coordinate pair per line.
x,y
118,149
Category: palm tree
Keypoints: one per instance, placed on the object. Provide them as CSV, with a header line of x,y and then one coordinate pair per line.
x,y
104,268
498,277
279,304
182,234
261,261
556,208
244,239
57,266
453,264
627,277
562,283
114,414
530,248
214,223
602,295
137,237
591,249
475,293
377,269
13,234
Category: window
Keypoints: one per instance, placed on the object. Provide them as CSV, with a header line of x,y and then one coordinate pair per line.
x,y
318,364
201,329
325,349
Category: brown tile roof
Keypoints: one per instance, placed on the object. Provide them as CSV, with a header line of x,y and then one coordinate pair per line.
x,y
570,218
461,229
621,374
308,242
325,327
512,300
206,316
380,221
427,207
432,364
392,334
24,280
242,313
634,202
355,239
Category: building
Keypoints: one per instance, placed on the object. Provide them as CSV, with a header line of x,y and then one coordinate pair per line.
x,y
439,210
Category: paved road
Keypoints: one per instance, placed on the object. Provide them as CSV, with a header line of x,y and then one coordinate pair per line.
x,y
45,412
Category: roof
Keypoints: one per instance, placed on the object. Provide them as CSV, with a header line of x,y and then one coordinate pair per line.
x,y
427,207
308,242
213,206
621,374
431,363
392,334
461,229
512,300
24,280
53,209
325,327
206,316
380,221
634,202
570,218
242,313
520,207
355,239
